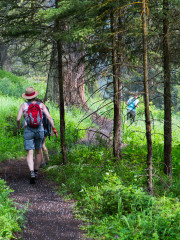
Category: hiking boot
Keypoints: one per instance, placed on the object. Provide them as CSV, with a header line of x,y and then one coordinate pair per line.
x,y
32,177
36,173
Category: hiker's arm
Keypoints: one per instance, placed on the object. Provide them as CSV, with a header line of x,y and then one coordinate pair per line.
x,y
20,113
45,111
136,104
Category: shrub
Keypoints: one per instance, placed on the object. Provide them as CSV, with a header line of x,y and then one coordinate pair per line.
x,y
11,218
119,212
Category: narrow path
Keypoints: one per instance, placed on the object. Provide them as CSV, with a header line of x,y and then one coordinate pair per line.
x,y
49,217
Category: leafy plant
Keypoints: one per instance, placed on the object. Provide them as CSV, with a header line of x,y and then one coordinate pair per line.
x,y
11,217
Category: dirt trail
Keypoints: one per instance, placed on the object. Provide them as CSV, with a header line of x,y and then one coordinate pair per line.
x,y
49,217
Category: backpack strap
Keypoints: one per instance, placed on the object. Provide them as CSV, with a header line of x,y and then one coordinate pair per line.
x,y
33,103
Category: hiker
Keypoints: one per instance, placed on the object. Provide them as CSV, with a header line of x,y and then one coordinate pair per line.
x,y
33,129
131,109
47,133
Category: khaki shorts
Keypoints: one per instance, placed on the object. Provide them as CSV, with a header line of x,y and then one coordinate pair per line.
x,y
33,138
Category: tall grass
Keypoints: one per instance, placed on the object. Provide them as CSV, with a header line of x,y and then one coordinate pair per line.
x,y
11,144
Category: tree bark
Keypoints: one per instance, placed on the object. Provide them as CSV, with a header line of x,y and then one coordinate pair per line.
x,y
167,93
117,120
52,89
74,74
73,70
120,83
61,93
4,61
61,105
146,99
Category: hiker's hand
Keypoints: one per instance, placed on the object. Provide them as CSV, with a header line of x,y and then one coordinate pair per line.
x,y
55,132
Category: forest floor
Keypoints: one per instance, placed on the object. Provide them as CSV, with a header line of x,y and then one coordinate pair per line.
x,y
49,217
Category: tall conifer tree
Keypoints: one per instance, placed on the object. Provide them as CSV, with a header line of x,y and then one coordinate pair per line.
x,y
167,92
146,98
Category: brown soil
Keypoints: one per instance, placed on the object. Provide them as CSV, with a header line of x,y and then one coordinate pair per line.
x,y
49,217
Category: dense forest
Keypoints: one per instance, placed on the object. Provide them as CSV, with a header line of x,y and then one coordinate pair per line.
x,y
87,58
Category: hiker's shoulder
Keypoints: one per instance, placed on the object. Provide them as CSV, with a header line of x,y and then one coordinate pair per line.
x,y
23,105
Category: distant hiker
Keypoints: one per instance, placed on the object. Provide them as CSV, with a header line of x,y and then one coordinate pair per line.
x,y
131,109
47,133
33,129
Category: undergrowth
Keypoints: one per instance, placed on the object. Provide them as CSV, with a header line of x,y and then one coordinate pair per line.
x,y
11,216
111,196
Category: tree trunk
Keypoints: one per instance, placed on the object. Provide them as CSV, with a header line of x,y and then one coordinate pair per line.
x,y
52,89
120,83
146,99
4,62
61,93
61,103
167,93
73,74
116,130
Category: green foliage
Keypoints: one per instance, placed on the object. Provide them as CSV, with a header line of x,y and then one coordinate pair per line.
x,y
123,212
14,86
11,143
85,168
111,195
10,100
75,129
97,103
11,217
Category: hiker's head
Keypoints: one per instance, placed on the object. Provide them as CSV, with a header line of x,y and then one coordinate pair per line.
x,y
136,95
30,93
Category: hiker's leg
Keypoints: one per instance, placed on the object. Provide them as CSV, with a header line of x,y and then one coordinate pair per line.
x,y
128,115
31,165
38,158
133,116
39,136
29,146
45,149
30,160
42,156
